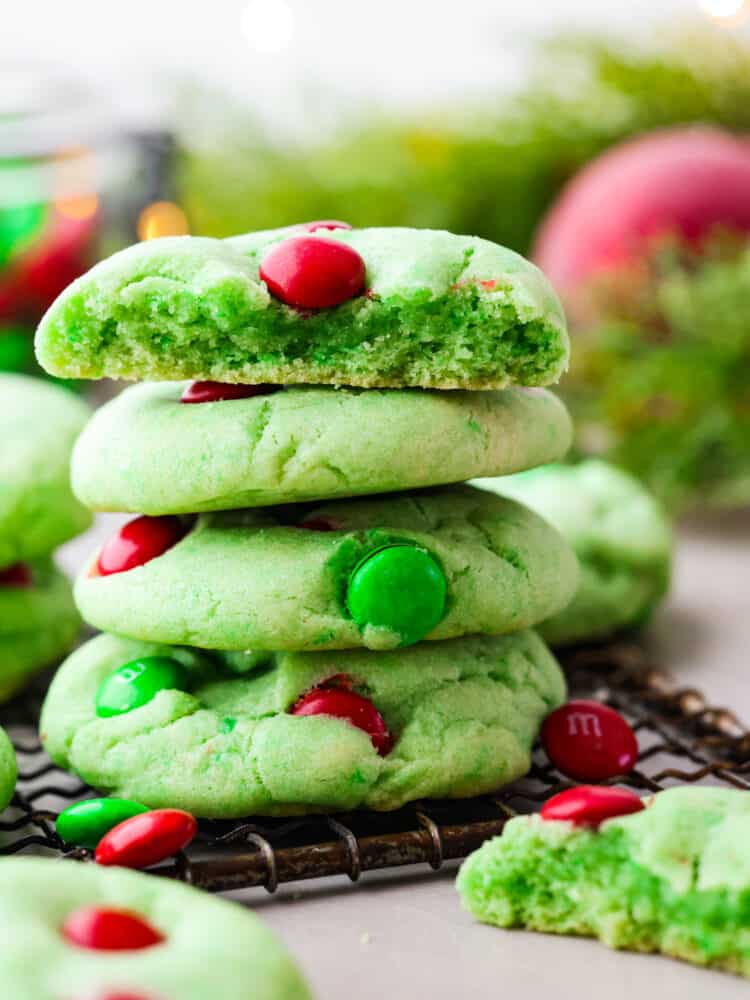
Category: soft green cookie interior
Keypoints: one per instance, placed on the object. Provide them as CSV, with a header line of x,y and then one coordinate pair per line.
x,y
39,423
673,878
38,624
247,580
619,533
440,310
8,770
212,947
464,715
148,453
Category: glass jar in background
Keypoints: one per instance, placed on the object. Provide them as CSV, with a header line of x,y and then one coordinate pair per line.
x,y
73,183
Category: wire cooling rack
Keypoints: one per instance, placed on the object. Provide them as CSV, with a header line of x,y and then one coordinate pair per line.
x,y
681,739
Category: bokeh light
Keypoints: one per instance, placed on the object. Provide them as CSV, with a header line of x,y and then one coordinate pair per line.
x,y
268,25
721,9
162,218
78,207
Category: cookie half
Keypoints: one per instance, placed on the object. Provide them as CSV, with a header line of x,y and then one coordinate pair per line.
x,y
674,877
39,423
427,308
619,533
38,621
376,573
459,719
149,453
183,942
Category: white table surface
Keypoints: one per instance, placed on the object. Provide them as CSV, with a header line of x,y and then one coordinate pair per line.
x,y
402,934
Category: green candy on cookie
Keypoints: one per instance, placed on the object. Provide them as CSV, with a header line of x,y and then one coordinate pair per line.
x,y
619,533
148,453
425,308
674,878
198,945
38,623
461,717
377,573
8,770
39,423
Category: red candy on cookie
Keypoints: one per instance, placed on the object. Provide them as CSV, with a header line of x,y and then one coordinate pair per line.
x,y
147,838
214,392
353,708
17,575
590,805
311,227
313,272
589,741
137,542
101,929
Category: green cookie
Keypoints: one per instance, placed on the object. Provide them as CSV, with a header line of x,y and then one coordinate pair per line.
x,y
464,715
38,624
245,580
619,533
38,424
211,947
438,311
148,453
8,770
674,878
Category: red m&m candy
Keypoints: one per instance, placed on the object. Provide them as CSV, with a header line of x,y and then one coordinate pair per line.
x,y
17,575
589,741
313,272
103,929
321,524
590,805
351,707
311,227
139,541
214,392
146,839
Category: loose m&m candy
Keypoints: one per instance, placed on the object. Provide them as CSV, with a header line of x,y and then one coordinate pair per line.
x,y
313,272
590,805
147,839
589,741
102,929
342,703
399,587
85,823
138,542
136,683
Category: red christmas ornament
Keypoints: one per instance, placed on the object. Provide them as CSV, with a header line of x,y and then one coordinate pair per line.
x,y
214,392
137,542
146,839
17,575
589,741
321,524
311,227
313,272
590,805
103,929
353,708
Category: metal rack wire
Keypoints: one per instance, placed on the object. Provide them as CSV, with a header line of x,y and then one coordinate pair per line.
x,y
681,739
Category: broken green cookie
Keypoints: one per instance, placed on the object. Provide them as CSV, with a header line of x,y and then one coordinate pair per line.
x,y
438,311
674,878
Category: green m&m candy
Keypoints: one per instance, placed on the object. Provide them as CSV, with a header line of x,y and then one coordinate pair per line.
x,y
85,823
136,683
399,587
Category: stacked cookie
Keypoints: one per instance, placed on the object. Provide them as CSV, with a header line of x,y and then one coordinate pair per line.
x,y
307,615
38,621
